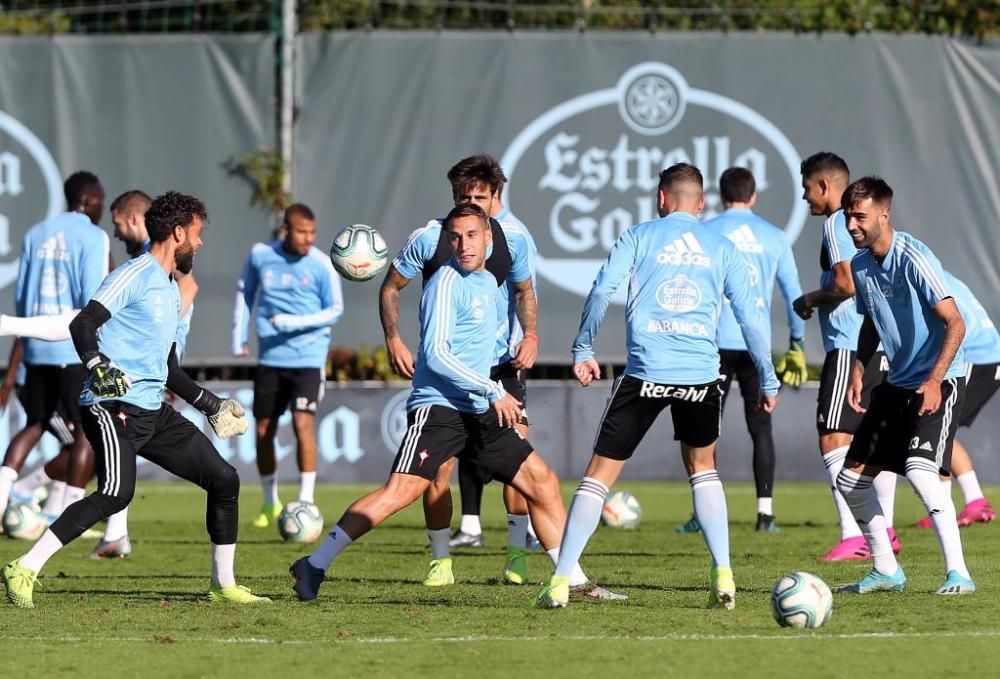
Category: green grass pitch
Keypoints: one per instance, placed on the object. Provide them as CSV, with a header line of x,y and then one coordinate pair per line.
x,y
146,615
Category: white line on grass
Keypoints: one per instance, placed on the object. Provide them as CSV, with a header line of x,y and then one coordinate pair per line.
x,y
790,635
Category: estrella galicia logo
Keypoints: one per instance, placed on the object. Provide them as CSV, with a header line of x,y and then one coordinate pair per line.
x,y
30,188
587,169
393,422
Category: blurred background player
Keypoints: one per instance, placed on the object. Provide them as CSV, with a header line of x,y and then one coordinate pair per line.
x,y
677,273
298,298
63,261
982,379
769,258
478,180
824,177
910,422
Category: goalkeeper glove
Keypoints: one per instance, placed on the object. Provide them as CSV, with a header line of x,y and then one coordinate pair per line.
x,y
106,379
792,366
226,417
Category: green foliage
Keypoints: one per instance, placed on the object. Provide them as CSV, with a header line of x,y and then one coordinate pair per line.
x,y
265,172
345,365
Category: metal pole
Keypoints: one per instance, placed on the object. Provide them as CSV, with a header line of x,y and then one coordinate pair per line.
x,y
287,92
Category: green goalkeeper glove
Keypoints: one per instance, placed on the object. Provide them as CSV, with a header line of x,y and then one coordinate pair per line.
x,y
106,379
791,368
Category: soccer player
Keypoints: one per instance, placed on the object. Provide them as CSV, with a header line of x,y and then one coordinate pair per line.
x,y
125,336
911,419
982,379
455,408
62,262
824,178
677,272
298,298
769,258
478,180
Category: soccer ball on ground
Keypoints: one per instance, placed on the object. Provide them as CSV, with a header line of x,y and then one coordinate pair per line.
x,y
359,252
300,522
801,600
24,521
621,510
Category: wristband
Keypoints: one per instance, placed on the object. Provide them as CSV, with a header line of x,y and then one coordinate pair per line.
x,y
531,335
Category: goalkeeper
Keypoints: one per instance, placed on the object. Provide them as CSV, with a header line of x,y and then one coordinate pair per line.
x,y
129,364
769,258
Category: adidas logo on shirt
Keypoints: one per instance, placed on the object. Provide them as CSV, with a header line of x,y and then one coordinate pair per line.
x,y
744,240
684,251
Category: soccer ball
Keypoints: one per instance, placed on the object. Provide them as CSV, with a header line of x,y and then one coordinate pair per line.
x,y
300,522
621,510
801,600
359,252
24,521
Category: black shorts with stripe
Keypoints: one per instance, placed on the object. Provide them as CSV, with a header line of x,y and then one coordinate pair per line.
x,y
635,404
435,434
52,390
514,383
58,424
277,389
893,435
833,412
982,381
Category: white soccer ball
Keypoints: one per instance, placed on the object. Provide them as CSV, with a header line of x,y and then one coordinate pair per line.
x,y
621,510
24,521
300,522
801,600
359,252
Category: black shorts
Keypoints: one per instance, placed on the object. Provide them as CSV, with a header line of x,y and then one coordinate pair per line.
x,y
634,405
59,424
53,390
891,432
833,413
435,434
738,365
275,389
514,383
982,381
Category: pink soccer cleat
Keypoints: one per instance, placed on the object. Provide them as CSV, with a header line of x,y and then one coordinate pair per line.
x,y
849,549
896,547
977,511
926,522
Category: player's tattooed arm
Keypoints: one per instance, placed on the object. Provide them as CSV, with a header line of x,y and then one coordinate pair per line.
x,y
400,357
526,307
839,289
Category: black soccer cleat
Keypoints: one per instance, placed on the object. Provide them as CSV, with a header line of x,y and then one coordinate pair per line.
x,y
766,524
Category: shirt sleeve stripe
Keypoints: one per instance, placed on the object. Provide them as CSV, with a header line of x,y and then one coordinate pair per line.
x,y
417,233
925,269
829,232
123,281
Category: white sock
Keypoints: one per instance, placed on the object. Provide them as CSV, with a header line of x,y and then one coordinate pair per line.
x,y
765,505
834,461
269,486
531,530
332,546
8,475
307,487
709,500
471,525
517,530
439,543
885,490
54,502
923,476
861,498
41,551
27,485
73,494
223,557
970,486
576,577
117,526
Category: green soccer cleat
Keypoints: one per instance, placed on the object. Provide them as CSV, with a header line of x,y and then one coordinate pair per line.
x,y
554,594
516,570
723,590
268,513
19,583
234,594
440,574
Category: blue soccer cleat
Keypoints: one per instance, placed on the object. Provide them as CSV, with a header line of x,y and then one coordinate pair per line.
x,y
308,578
955,584
877,582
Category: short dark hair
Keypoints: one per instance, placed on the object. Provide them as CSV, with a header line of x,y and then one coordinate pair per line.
x,y
132,202
681,173
823,162
170,210
476,170
465,210
298,209
737,185
872,187
78,185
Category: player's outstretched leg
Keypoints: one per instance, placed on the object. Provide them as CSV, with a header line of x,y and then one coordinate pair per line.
x,y
470,485
270,508
515,569
115,543
885,490
856,485
437,517
852,545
